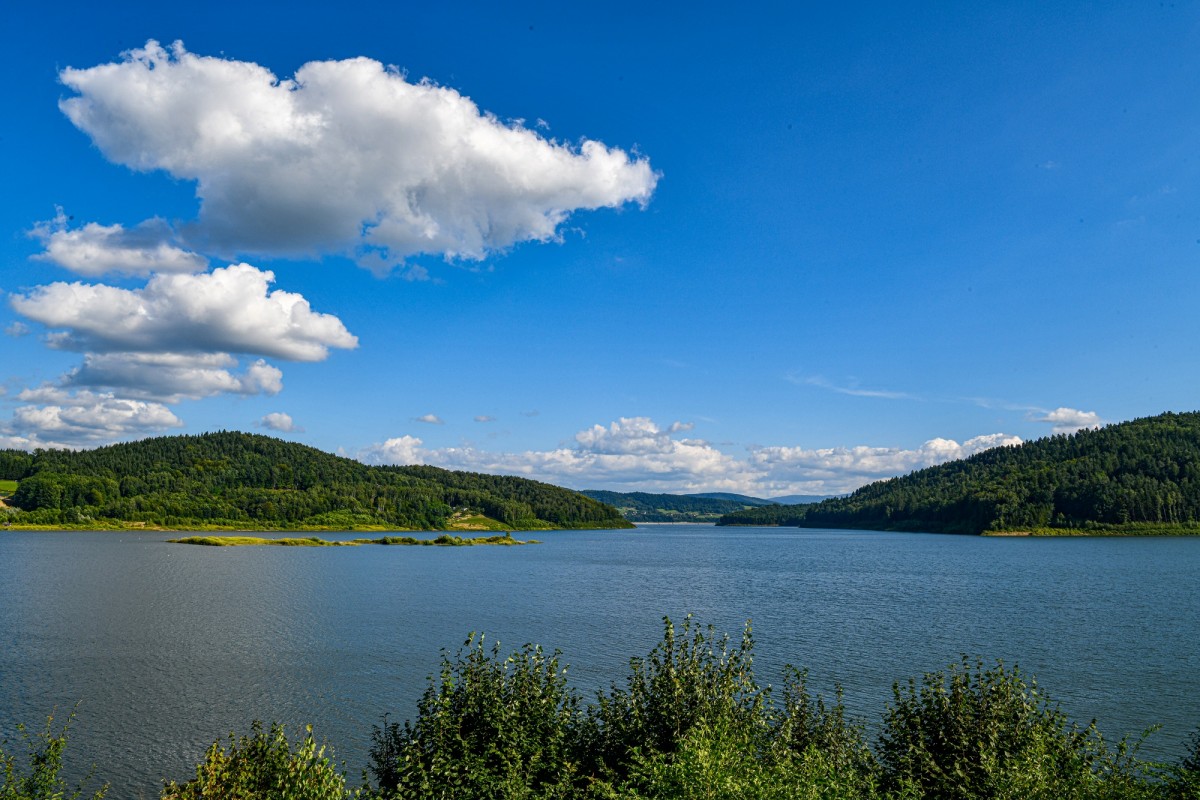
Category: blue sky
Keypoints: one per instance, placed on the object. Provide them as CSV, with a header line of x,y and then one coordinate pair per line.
x,y
761,248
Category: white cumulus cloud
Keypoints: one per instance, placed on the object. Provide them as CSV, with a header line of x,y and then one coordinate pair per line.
x,y
1069,420
842,469
95,249
633,452
84,419
171,377
638,454
346,156
402,451
430,419
227,310
279,421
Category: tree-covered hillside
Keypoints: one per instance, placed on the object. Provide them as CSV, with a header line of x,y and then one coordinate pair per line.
x,y
1142,475
246,480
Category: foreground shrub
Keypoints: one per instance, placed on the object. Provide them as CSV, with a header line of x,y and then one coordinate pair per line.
x,y
695,678
969,733
727,762
1183,780
489,727
692,722
262,766
41,779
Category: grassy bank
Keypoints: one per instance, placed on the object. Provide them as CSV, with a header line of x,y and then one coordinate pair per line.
x,y
1100,529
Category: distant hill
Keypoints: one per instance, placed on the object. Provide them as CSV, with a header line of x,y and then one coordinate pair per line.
x,y
644,507
741,499
795,499
1141,476
244,480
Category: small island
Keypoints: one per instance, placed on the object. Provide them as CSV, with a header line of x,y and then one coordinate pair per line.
x,y
445,540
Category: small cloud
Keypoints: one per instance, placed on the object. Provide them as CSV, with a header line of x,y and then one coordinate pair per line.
x,y
1069,420
278,421
17,329
400,451
430,419
484,418
532,413
95,249
1051,164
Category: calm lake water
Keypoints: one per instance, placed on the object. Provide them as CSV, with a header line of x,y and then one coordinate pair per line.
x,y
168,647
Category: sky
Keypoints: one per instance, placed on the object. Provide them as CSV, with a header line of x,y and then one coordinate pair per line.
x,y
759,248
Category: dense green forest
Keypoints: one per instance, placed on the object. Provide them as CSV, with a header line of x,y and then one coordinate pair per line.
x,y
689,722
644,507
243,480
1141,476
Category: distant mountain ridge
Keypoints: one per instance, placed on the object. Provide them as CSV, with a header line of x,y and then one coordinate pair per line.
x,y
1141,476
702,507
249,481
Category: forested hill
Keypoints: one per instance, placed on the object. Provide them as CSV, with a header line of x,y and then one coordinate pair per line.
x,y
1138,476
251,481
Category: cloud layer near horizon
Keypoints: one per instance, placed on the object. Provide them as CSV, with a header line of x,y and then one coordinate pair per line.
x,y
347,156
637,454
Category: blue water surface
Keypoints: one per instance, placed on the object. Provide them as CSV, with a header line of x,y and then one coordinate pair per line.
x,y
167,647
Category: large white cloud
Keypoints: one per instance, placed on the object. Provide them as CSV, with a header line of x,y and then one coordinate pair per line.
x,y
637,454
347,156
84,419
95,249
229,310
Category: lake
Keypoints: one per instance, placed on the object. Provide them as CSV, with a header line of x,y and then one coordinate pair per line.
x,y
168,647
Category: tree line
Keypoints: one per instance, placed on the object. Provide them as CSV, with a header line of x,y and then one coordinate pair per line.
x,y
1137,475
232,478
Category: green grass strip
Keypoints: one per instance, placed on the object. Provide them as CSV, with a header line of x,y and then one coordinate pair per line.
x,y
445,540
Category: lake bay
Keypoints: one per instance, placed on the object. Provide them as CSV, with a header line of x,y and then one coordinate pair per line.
x,y
169,647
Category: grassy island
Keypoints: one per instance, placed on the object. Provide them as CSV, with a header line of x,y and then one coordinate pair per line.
x,y
445,540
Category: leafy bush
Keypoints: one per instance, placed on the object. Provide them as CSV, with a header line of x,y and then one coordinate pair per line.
x,y
687,680
41,780
971,732
1183,781
489,727
692,722
263,766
